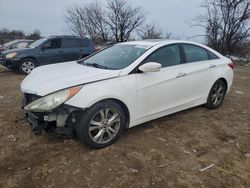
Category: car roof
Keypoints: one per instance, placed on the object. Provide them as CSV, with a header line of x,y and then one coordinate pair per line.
x,y
15,41
66,36
154,42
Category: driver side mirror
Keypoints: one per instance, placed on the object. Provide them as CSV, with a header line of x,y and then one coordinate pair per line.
x,y
150,67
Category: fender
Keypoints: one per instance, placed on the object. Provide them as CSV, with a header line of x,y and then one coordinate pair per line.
x,y
122,88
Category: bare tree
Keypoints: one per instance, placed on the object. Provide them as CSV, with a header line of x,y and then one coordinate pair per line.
x,y
35,35
7,35
95,21
74,17
89,19
150,31
226,23
123,19
169,35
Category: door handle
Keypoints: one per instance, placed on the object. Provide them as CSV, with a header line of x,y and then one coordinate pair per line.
x,y
212,66
181,75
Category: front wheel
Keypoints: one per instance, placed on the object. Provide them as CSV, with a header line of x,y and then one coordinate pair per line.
x,y
216,95
101,125
27,65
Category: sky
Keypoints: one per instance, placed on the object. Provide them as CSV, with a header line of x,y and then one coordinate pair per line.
x,y
173,16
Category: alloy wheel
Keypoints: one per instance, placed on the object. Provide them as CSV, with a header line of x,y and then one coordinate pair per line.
x,y
104,126
218,93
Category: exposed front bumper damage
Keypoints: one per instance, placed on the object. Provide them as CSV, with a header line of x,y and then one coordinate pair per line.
x,y
60,121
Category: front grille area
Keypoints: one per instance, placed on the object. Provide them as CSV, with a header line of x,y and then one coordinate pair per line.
x,y
2,57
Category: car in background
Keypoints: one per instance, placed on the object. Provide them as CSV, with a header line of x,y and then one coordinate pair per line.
x,y
16,44
123,86
46,51
105,45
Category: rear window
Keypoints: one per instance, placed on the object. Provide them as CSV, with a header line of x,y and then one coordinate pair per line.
x,y
75,43
194,53
212,55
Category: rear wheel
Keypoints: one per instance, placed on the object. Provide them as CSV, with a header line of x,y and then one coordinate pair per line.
x,y
216,95
27,65
101,125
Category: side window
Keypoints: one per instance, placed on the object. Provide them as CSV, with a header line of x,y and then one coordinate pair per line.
x,y
13,46
166,56
22,44
69,43
75,43
53,44
83,42
212,55
195,53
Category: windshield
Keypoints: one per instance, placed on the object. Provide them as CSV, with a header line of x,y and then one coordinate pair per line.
x,y
116,57
10,43
37,43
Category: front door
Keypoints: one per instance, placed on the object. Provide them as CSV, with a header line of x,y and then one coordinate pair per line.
x,y
159,91
51,52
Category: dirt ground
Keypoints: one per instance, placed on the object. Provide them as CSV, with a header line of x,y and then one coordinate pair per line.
x,y
168,152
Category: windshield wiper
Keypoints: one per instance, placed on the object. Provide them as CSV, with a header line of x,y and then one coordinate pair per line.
x,y
96,65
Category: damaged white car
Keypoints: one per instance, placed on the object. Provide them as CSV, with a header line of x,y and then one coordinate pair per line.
x,y
122,86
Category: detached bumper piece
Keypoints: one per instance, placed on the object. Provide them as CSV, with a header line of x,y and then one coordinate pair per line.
x,y
59,122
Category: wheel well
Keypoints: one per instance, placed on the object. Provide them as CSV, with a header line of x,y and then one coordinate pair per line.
x,y
30,58
225,81
124,107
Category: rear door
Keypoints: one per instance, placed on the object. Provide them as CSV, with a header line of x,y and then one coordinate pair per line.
x,y
200,65
74,48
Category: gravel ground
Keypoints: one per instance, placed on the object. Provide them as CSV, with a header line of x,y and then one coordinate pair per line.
x,y
167,152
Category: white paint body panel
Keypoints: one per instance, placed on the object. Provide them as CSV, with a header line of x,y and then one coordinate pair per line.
x,y
48,79
147,95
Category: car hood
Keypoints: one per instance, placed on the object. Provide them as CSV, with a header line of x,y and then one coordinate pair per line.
x,y
17,50
48,79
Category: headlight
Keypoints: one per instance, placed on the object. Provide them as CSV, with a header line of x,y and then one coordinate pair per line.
x,y
52,101
11,55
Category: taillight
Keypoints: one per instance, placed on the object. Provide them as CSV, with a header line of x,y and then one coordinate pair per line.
x,y
232,65
96,48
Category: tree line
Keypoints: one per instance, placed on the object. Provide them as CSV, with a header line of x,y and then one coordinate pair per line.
x,y
226,23
116,21
7,35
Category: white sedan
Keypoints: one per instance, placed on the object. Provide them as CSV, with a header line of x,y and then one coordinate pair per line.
x,y
123,86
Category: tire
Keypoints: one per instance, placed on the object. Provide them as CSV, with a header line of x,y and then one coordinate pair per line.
x,y
216,95
27,65
93,127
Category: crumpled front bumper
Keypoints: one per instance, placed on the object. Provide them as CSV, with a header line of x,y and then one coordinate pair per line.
x,y
36,121
60,121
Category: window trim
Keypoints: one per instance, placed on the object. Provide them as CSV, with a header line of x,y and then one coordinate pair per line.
x,y
79,41
51,40
207,51
182,59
